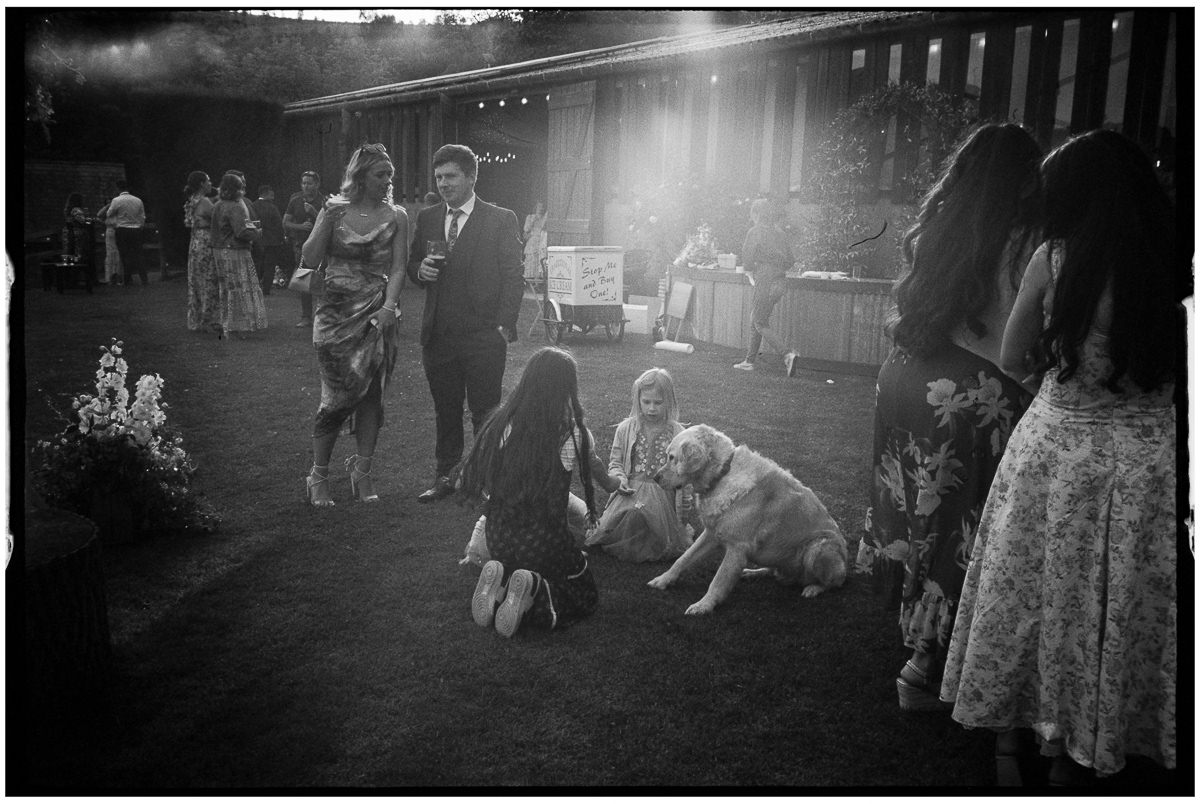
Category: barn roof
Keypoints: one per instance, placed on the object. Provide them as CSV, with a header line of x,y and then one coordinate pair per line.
x,y
584,65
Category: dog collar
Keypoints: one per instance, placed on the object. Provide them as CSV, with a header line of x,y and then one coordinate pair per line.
x,y
725,467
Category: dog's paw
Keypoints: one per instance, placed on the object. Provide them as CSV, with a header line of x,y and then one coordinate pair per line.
x,y
700,607
813,589
661,582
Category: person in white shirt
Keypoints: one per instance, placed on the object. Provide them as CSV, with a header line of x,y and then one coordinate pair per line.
x,y
129,215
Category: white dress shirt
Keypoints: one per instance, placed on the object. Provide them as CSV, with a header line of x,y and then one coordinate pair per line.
x,y
466,210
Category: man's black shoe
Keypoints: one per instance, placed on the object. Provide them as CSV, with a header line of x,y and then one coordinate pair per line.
x,y
441,488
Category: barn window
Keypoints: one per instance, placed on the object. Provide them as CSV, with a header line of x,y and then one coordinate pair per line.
x,y
888,170
769,125
1022,42
975,66
799,114
933,69
1118,69
1066,81
1167,110
894,64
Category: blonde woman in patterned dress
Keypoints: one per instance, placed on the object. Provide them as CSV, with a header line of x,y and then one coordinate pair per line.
x,y
356,327
241,299
203,311
1068,619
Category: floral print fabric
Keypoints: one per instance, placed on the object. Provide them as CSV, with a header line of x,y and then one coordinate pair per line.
x,y
941,426
351,351
1068,616
239,294
643,526
204,295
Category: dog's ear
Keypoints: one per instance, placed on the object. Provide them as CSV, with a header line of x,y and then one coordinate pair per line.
x,y
693,455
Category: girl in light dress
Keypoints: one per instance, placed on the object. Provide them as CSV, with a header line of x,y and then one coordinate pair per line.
x,y
1067,624
642,521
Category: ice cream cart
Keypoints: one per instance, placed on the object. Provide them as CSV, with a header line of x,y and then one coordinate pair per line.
x,y
583,291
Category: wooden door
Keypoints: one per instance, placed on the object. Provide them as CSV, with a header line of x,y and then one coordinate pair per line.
x,y
569,155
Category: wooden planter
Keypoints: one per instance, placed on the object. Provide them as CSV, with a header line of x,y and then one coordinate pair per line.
x,y
835,321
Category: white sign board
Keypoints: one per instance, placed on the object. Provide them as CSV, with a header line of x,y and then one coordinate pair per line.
x,y
579,275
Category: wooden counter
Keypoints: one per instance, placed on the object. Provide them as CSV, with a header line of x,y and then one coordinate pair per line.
x,y
826,320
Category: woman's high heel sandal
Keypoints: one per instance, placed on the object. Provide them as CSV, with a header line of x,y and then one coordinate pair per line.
x,y
361,492
318,476
916,692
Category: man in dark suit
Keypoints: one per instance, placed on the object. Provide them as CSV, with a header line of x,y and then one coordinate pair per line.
x,y
472,298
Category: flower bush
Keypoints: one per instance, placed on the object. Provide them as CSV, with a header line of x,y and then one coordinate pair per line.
x,y
122,452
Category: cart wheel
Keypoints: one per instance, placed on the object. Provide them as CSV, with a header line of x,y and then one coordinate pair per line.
x,y
615,331
550,319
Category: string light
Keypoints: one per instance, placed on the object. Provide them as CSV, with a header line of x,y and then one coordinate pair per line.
x,y
501,101
524,101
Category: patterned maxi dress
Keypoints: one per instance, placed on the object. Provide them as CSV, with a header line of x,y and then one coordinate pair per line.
x,y
351,351
1068,614
204,302
643,526
533,535
941,425
241,301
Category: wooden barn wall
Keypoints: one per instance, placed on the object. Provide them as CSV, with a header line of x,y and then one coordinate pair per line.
x,y
729,120
750,121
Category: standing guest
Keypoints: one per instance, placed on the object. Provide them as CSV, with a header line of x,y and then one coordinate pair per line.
x,y
298,221
129,217
521,465
943,408
77,229
535,224
241,300
112,258
268,251
472,297
767,257
364,239
204,295
1068,616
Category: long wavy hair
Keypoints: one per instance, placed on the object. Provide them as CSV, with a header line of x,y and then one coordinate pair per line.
x,y
361,161
195,181
542,411
977,221
232,186
1115,226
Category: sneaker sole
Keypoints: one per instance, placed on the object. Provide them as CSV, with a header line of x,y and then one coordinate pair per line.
x,y
518,601
483,602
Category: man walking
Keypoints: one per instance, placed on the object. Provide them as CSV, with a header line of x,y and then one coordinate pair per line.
x,y
268,251
298,220
129,215
472,298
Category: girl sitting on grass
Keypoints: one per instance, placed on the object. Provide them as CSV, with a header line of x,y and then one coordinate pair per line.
x,y
641,521
521,464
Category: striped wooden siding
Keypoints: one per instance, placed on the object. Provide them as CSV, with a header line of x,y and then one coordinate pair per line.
x,y
821,319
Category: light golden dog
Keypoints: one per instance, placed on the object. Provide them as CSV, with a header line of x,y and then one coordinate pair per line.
x,y
758,512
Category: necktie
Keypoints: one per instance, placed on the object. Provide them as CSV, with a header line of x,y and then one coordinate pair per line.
x,y
453,235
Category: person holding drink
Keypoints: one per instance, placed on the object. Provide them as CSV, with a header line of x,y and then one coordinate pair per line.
x,y
467,255
240,298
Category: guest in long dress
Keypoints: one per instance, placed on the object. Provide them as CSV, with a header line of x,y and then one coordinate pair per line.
x,y
944,409
363,237
535,224
204,297
113,270
1068,619
241,299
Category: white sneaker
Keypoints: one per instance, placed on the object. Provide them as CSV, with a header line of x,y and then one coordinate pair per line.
x,y
789,362
518,601
488,593
745,365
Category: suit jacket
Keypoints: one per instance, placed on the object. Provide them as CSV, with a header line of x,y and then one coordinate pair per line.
x,y
483,283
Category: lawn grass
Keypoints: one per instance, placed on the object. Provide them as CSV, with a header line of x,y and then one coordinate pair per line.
x,y
304,648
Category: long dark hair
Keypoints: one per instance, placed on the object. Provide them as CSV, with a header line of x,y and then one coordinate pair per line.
x,y
976,221
195,181
542,410
1115,226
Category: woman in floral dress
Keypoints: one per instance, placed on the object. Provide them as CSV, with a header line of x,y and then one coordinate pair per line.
x,y
944,410
203,312
1068,618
